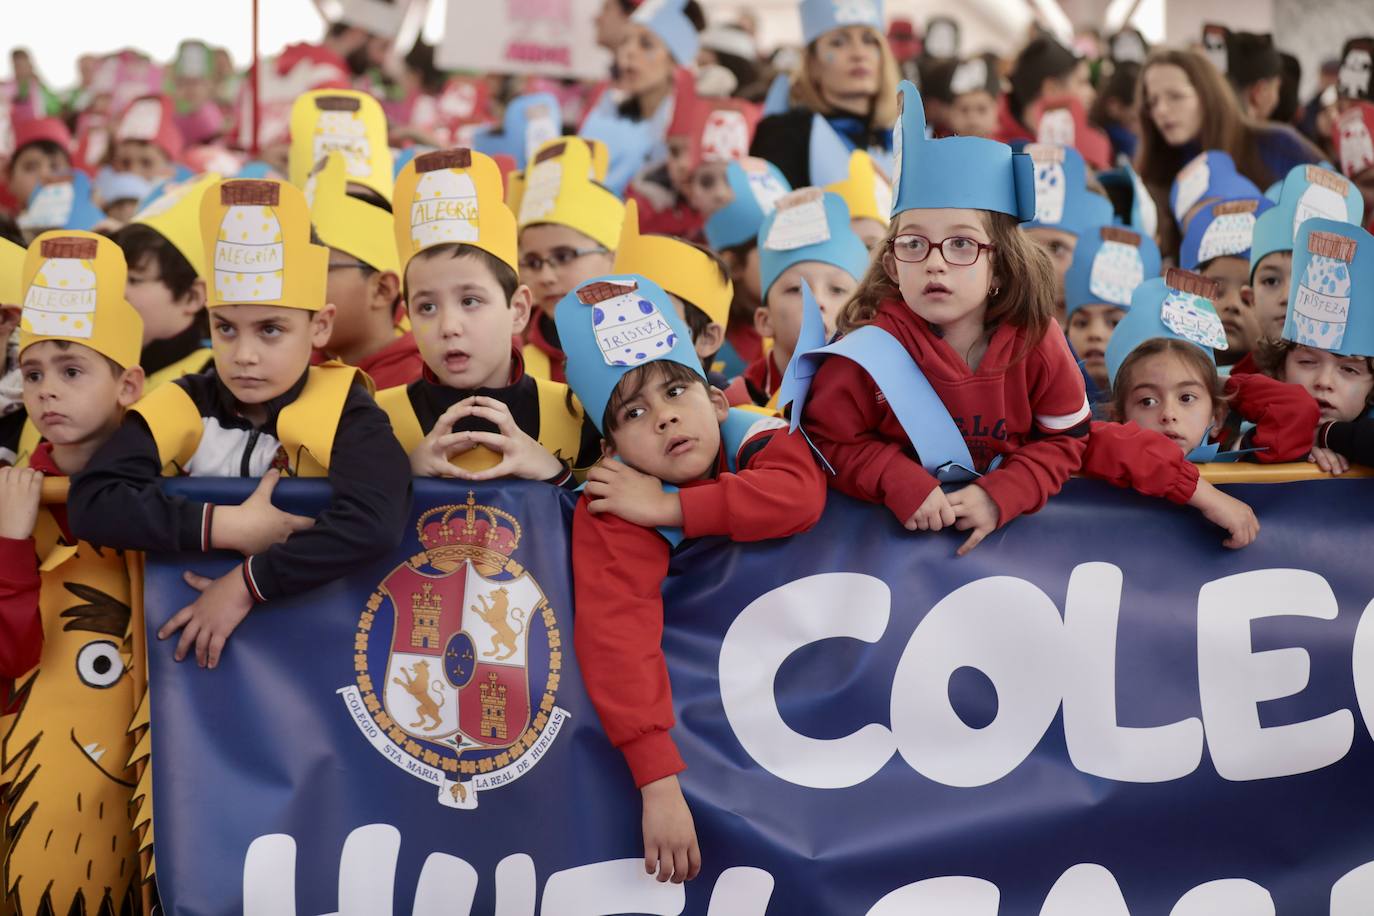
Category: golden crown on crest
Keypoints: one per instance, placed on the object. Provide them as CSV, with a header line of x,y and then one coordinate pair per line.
x,y
484,534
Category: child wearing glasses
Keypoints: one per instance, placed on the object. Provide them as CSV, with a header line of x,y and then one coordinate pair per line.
x,y
970,299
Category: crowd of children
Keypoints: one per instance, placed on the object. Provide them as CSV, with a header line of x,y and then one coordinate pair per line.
x,y
624,309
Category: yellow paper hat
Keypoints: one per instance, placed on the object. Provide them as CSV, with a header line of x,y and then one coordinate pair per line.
x,y
601,164
11,274
452,196
350,123
74,290
681,269
176,217
257,244
559,190
346,223
867,192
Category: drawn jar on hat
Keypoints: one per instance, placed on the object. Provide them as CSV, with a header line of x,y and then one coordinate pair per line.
x,y
1321,303
61,300
249,254
445,207
630,329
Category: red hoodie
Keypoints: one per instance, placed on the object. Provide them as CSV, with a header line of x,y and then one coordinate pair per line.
x,y
398,363
1032,411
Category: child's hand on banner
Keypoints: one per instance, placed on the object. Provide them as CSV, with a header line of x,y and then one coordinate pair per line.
x,y
255,524
207,622
1228,512
636,497
933,514
20,491
670,837
974,511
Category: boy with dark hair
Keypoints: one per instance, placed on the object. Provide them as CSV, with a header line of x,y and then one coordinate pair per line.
x,y
42,152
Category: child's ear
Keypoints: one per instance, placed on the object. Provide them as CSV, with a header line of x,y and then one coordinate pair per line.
x,y
719,403
608,449
889,262
195,298
763,321
710,341
130,387
385,287
521,303
1247,296
322,325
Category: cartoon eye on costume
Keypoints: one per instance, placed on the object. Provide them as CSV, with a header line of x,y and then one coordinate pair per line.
x,y
99,664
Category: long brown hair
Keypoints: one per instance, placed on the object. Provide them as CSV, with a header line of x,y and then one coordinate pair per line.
x,y
1190,354
1023,270
806,87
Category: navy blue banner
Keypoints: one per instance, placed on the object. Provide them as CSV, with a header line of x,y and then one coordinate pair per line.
x,y
1099,711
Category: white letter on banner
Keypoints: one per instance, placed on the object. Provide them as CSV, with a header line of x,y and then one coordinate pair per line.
x,y
367,870
269,876
1362,662
446,888
771,628
515,890
1009,630
1350,895
954,895
1231,896
1097,745
1232,679
617,886
741,891
1085,890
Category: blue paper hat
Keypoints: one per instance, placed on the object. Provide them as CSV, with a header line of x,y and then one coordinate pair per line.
x,y
1177,305
779,97
821,16
1141,213
612,324
964,172
259,169
529,122
1109,264
402,156
112,185
1307,192
630,143
666,19
62,204
1274,190
757,185
1062,198
796,377
829,154
809,225
1211,175
1225,229
1331,295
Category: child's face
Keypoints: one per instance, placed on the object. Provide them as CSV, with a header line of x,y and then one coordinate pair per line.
x,y
1232,302
563,266
1340,384
869,231
974,114
1060,246
142,158
363,298
1167,396
942,293
1270,293
709,190
262,350
680,163
671,430
72,394
462,322
164,316
1090,327
781,316
32,167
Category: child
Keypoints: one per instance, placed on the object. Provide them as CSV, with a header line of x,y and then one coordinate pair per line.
x,y
1108,264
1217,245
477,412
807,238
65,608
1064,209
569,229
697,282
718,132
42,152
684,463
976,317
975,90
732,232
867,194
1209,177
1353,138
1062,121
147,142
260,411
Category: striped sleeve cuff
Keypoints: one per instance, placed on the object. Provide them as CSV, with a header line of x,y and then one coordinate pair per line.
x,y
251,582
1066,422
207,516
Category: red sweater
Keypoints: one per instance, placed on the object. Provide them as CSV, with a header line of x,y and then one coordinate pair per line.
x,y
760,381
398,363
1033,411
618,629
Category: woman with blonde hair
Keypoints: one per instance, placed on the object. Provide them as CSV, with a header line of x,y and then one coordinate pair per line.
x,y
848,76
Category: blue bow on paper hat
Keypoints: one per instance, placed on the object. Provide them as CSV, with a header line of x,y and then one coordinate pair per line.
x,y
808,225
666,19
1307,191
956,172
529,122
62,204
613,324
1211,175
756,184
1062,198
1177,305
1225,229
1331,294
1108,265
821,16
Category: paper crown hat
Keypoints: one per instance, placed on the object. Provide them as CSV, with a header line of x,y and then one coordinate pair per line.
x,y
350,123
827,154
720,130
258,248
613,324
453,196
667,20
353,226
864,189
11,274
529,122
680,268
821,16
515,180
942,37
808,225
757,184
1177,305
779,96
74,290
1062,121
976,74
112,187
32,130
1356,77
1211,175
1331,294
1225,229
1307,191
964,172
1108,265
151,119
175,215
1140,211
1062,198
558,190
1353,136
63,203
